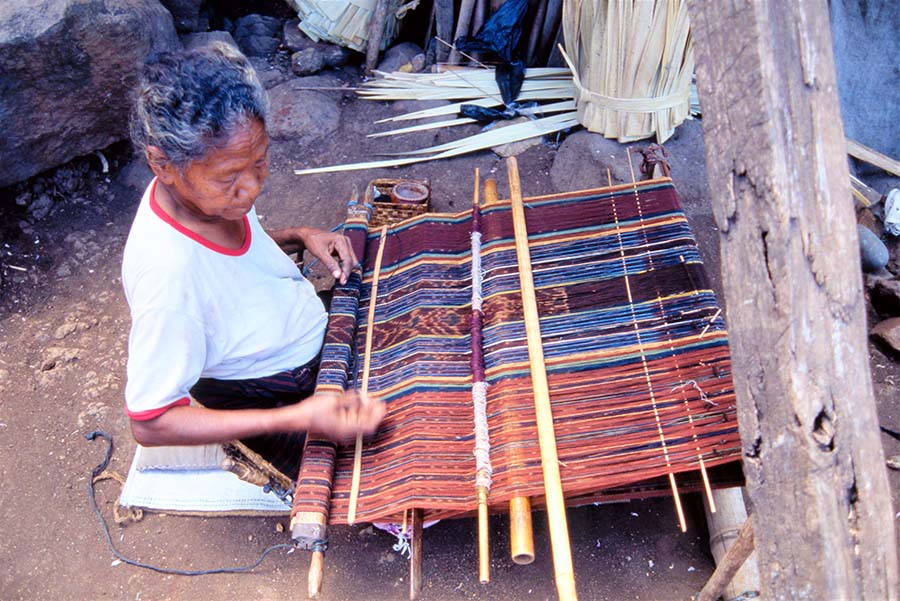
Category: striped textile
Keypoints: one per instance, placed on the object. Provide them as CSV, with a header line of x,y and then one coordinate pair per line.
x,y
637,391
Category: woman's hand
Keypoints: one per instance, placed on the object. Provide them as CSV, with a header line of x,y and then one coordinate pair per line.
x,y
342,417
334,250
325,245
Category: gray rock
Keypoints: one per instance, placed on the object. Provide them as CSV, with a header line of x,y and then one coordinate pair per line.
x,y
514,148
688,164
269,75
884,294
889,331
303,115
335,56
198,40
294,39
66,73
308,61
258,35
583,159
41,207
136,174
257,45
186,14
397,56
873,253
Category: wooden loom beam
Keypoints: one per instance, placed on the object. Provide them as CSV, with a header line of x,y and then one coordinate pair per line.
x,y
779,183
556,506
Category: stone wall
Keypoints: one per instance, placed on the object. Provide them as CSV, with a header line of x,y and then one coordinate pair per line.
x,y
67,68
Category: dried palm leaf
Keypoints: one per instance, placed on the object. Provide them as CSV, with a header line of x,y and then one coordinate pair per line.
x,y
468,86
482,141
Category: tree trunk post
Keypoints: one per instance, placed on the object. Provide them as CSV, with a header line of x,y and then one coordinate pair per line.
x,y
776,159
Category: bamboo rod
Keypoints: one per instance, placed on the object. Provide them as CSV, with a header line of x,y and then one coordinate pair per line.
x,y
484,545
549,30
637,334
534,35
364,388
556,508
663,167
862,192
521,534
873,157
466,8
480,16
316,567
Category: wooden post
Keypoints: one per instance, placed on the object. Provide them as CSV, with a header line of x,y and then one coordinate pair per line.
x,y
376,32
790,262
443,23
316,569
415,555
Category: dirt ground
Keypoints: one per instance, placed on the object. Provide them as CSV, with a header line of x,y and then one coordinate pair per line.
x,y
63,341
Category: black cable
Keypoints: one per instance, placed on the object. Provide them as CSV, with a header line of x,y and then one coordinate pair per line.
x,y
93,497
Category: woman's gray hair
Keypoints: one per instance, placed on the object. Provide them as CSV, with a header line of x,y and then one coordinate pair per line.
x,y
189,103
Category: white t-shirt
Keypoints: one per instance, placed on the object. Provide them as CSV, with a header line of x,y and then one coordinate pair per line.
x,y
202,310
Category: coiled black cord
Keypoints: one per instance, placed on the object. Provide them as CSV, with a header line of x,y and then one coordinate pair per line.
x,y
109,543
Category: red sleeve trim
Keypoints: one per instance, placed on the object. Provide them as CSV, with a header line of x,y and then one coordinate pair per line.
x,y
231,252
149,414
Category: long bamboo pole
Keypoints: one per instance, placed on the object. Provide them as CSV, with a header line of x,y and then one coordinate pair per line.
x,y
364,387
521,535
556,508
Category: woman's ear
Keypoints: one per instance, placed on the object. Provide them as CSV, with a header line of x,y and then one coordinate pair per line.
x,y
160,164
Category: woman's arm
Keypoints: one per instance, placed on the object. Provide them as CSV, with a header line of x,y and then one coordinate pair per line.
x,y
323,245
337,417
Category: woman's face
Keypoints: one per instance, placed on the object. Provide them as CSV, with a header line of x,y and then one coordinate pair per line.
x,y
225,182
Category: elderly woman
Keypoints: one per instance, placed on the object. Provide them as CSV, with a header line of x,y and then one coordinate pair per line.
x,y
219,311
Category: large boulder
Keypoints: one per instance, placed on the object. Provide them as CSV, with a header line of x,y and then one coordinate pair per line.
x,y
300,114
258,35
186,14
67,69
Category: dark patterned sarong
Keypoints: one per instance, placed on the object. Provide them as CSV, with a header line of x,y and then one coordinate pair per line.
x,y
283,450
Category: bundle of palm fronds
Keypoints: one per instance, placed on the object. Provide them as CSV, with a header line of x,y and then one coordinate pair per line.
x,y
344,23
550,89
633,61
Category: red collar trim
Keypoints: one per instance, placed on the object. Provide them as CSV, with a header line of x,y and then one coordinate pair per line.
x,y
231,252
